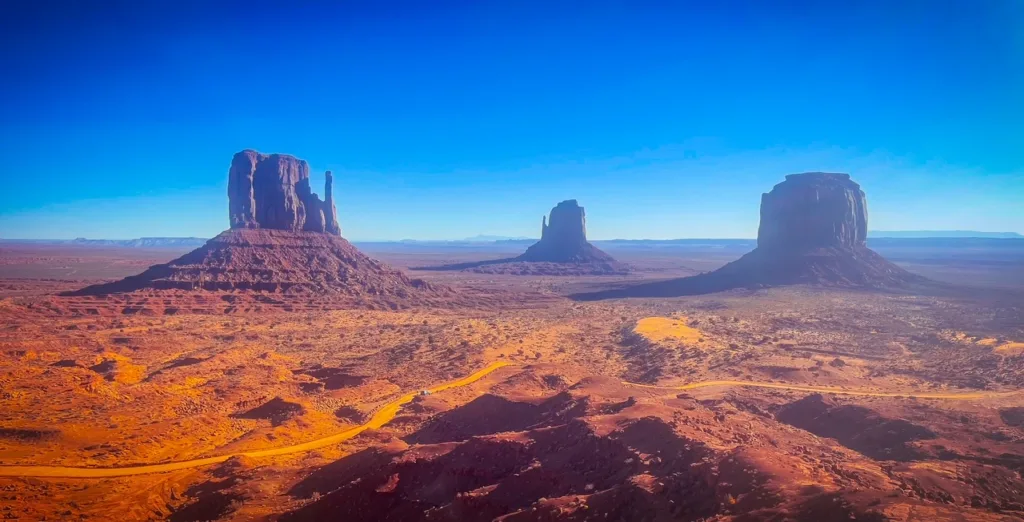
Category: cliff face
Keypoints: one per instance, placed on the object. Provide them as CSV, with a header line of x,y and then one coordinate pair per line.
x,y
568,225
272,191
283,240
813,210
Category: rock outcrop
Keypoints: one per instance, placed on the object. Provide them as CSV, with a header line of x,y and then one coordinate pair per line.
x,y
283,240
813,230
813,210
563,238
568,224
563,250
272,191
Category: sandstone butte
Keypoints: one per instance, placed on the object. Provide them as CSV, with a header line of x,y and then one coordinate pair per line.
x,y
813,230
283,239
271,191
563,238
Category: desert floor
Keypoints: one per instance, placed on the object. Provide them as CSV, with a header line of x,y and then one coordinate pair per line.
x,y
796,403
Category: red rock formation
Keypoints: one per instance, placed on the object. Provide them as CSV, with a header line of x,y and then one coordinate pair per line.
x,y
812,231
331,225
568,224
271,261
564,238
563,250
272,191
813,210
282,240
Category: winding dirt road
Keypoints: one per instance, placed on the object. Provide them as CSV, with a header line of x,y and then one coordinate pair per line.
x,y
380,418
386,413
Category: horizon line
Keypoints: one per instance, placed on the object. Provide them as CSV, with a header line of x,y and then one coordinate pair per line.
x,y
944,235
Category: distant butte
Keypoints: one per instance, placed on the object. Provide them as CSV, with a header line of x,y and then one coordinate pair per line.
x,y
563,238
813,230
563,249
283,239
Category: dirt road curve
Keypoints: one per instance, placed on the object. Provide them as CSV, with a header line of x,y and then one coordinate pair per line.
x,y
389,410
380,418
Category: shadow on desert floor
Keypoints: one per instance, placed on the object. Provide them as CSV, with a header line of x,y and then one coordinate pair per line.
x,y
466,265
685,286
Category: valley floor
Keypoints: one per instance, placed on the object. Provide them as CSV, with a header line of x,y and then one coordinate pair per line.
x,y
792,403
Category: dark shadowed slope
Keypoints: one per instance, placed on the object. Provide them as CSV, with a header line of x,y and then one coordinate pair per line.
x,y
271,261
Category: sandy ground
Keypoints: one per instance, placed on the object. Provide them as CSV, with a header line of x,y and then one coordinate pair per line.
x,y
808,403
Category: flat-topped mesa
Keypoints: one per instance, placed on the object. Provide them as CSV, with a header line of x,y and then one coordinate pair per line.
x,y
813,231
813,210
272,191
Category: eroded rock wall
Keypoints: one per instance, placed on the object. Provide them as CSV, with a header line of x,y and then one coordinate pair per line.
x,y
813,210
272,191
568,224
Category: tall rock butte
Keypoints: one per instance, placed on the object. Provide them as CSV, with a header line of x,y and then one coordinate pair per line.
x,y
813,230
284,240
568,224
271,191
563,238
813,210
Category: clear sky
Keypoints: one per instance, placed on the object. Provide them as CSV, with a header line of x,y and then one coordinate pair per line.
x,y
448,120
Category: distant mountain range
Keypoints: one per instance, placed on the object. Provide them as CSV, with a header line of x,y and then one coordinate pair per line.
x,y
941,233
488,238
142,242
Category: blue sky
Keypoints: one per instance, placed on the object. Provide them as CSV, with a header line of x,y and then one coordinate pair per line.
x,y
664,119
